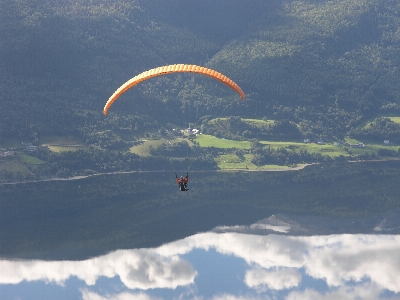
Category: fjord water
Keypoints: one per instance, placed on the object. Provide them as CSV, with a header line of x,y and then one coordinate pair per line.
x,y
250,235
207,265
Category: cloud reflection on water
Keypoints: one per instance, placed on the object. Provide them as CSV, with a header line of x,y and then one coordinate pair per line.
x,y
334,258
89,295
138,269
348,264
366,291
263,279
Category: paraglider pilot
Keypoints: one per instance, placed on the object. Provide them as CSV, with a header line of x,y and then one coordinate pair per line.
x,y
182,182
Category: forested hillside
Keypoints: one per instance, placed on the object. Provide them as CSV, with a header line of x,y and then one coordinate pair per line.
x,y
326,66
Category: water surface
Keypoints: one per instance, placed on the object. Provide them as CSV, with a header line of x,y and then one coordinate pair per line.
x,y
319,233
266,262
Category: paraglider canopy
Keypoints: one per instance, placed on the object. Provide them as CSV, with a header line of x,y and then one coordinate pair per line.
x,y
168,70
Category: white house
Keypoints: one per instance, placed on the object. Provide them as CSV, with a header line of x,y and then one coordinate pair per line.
x,y
193,131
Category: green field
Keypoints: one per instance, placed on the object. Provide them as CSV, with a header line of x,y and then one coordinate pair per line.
x,y
19,164
258,122
144,148
64,148
367,124
395,119
62,143
14,167
205,140
232,161
30,159
351,141
330,149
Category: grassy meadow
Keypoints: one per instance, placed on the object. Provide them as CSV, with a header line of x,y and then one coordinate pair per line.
x,y
14,167
62,143
395,119
30,159
226,160
205,140
258,122
64,148
144,148
232,161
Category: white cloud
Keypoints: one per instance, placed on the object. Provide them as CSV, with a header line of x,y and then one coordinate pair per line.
x,y
337,259
365,291
342,258
267,251
89,295
141,269
233,297
275,280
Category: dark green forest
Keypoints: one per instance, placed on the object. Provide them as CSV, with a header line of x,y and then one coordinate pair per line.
x,y
312,70
319,68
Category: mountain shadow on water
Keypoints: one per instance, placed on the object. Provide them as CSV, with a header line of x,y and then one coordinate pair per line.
x,y
88,217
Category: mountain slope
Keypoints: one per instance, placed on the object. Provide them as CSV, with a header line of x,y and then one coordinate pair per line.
x,y
324,64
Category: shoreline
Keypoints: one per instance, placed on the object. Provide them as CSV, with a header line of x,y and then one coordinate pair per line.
x,y
78,177
288,169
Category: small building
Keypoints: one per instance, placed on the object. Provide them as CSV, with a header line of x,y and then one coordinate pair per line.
x,y
192,131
